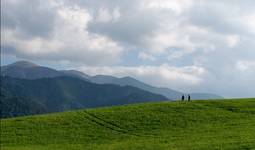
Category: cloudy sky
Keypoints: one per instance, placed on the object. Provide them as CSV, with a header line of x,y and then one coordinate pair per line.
x,y
187,45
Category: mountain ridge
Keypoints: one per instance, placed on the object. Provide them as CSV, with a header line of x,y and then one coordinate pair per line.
x,y
33,71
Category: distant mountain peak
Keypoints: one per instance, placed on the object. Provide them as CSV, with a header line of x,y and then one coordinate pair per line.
x,y
107,76
128,77
23,63
75,73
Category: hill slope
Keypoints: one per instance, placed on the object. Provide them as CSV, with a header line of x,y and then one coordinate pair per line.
x,y
66,93
12,106
226,124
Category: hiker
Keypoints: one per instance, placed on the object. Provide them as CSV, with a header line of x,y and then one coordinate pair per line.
x,y
182,97
188,97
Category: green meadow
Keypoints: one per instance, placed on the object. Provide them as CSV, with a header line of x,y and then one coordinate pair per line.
x,y
214,124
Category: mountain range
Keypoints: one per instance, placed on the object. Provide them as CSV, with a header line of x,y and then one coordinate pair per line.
x,y
27,88
29,70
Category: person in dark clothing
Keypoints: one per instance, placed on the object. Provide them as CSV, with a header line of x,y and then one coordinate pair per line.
x,y
182,97
188,97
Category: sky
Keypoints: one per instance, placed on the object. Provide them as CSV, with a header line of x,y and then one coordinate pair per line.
x,y
186,45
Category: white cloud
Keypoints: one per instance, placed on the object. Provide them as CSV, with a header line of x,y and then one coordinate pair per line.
x,y
146,56
177,6
233,40
175,55
104,15
246,66
116,14
250,20
69,41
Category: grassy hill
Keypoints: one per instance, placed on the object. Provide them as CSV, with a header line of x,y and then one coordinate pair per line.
x,y
221,124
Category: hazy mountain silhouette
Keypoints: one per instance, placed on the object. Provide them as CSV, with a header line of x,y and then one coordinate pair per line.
x,y
101,79
205,96
169,93
76,74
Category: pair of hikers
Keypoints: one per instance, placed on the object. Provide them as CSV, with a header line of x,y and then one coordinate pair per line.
x,y
183,97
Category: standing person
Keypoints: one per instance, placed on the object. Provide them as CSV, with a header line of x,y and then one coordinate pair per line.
x,y
182,97
188,97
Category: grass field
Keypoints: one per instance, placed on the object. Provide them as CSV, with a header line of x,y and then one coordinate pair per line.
x,y
221,124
